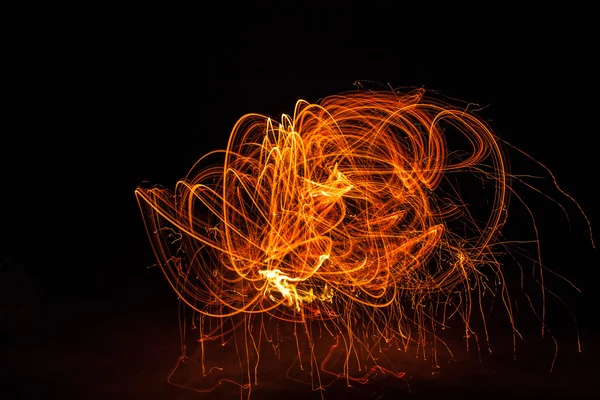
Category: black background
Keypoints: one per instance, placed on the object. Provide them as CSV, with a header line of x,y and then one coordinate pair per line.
x,y
92,109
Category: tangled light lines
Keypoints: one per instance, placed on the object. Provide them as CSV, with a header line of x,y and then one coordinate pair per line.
x,y
342,228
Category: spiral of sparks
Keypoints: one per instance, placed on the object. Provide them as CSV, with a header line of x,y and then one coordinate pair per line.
x,y
345,214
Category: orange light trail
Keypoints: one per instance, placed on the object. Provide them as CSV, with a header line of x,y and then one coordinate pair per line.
x,y
344,217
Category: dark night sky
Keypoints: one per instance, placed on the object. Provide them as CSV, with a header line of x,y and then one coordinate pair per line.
x,y
94,109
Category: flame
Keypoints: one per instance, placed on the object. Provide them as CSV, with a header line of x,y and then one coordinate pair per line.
x,y
347,214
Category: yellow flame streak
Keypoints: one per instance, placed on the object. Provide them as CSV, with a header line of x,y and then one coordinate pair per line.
x,y
286,288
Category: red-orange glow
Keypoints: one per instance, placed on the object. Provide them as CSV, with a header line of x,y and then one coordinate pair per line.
x,y
344,218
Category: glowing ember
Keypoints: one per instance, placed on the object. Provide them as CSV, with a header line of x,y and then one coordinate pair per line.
x,y
349,216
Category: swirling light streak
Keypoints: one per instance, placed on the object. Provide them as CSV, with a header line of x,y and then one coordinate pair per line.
x,y
346,215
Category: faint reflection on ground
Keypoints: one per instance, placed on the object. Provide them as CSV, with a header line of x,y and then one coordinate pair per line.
x,y
125,350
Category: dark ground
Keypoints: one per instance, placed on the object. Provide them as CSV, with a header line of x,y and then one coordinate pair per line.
x,y
125,348
95,109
